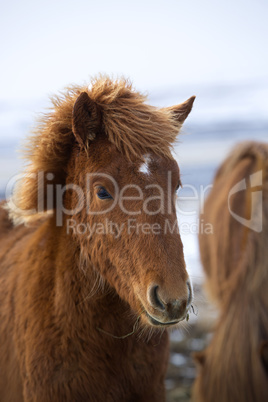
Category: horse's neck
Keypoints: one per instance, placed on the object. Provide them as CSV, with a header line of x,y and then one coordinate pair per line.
x,y
83,296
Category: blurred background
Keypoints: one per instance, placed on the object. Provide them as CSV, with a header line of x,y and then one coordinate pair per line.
x,y
170,50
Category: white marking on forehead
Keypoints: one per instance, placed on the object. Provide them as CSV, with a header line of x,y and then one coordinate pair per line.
x,y
144,167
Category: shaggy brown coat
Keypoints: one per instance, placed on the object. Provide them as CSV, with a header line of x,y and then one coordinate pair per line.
x,y
234,367
69,303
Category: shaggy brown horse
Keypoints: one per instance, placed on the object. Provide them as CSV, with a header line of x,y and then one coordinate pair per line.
x,y
234,367
91,277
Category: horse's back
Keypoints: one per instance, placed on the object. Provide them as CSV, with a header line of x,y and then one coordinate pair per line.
x,y
12,241
5,223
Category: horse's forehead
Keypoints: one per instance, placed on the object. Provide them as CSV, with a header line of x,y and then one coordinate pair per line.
x,y
155,165
150,168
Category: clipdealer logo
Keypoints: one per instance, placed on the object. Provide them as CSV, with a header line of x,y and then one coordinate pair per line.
x,y
255,220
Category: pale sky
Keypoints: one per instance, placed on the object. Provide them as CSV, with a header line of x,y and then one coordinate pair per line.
x,y
215,49
46,45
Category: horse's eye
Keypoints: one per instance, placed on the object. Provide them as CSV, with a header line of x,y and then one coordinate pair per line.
x,y
178,186
103,194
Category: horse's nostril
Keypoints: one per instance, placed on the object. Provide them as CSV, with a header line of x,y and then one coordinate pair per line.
x,y
154,299
190,295
169,308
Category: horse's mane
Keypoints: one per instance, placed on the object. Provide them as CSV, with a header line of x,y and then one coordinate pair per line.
x,y
132,125
238,277
246,159
232,365
257,151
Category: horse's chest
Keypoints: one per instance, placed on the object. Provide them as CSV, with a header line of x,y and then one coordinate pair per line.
x,y
128,369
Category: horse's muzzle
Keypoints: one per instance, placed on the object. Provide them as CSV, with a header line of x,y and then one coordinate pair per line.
x,y
165,311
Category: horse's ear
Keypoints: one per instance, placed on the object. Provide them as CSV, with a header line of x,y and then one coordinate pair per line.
x,y
182,110
86,119
200,358
264,354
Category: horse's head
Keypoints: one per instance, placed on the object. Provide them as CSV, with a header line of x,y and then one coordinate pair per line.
x,y
108,155
129,225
